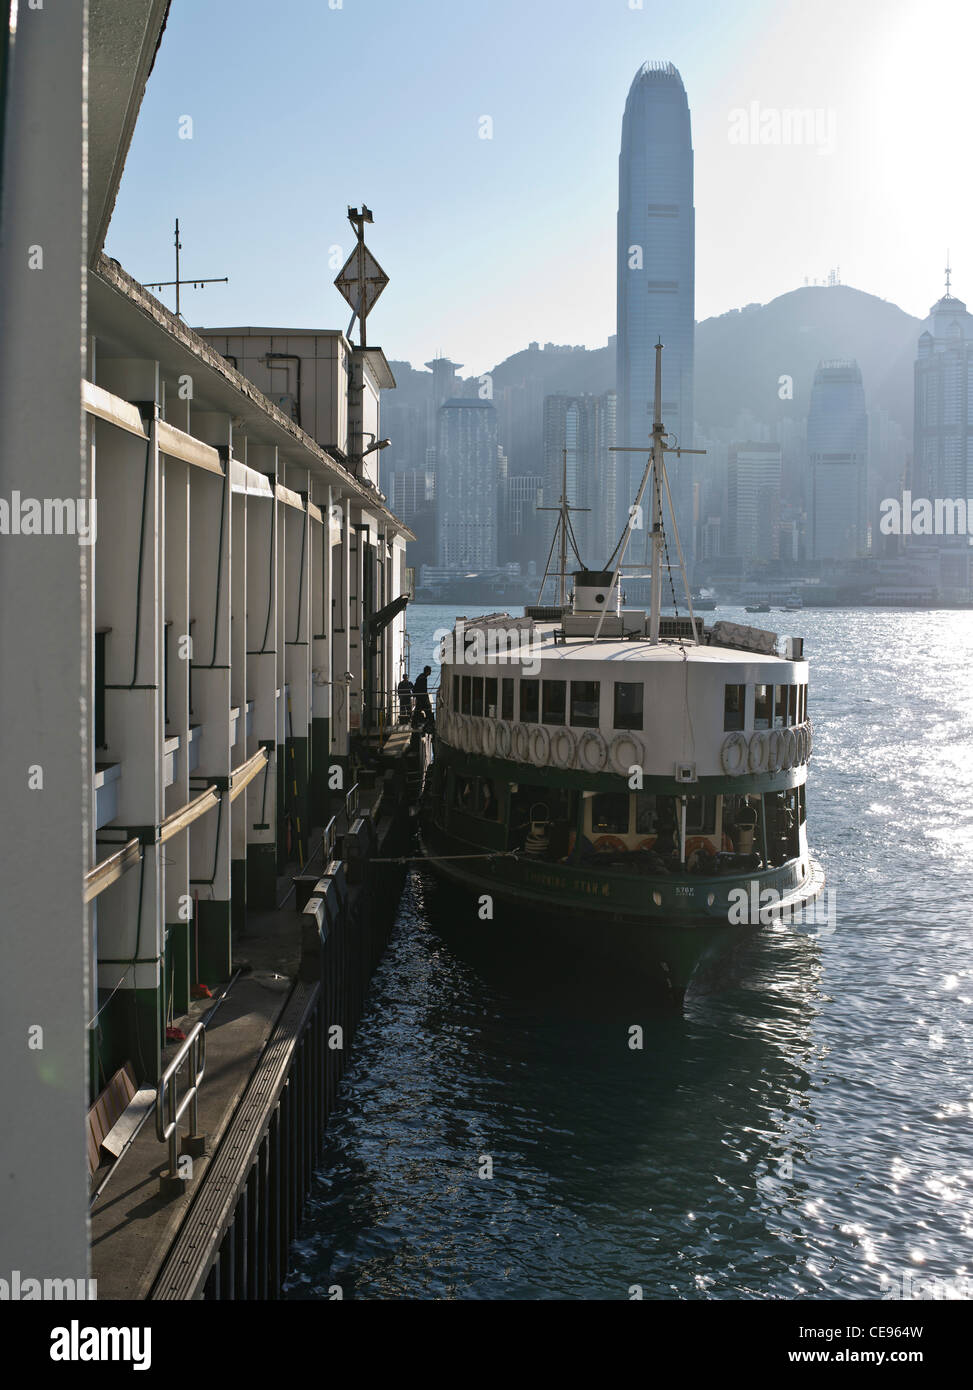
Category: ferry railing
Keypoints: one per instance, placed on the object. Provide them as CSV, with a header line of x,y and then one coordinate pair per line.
x,y
169,1109
351,804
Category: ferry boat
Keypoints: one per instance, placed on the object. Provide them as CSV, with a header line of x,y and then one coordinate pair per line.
x,y
623,778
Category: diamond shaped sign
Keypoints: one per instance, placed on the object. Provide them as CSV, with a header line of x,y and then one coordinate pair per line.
x,y
361,267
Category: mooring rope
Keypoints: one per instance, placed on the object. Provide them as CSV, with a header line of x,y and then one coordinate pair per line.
x,y
436,858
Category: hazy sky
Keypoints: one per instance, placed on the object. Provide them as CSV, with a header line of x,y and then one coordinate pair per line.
x,y
299,110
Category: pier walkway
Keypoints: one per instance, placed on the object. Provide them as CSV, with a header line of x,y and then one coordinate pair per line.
x,y
258,1018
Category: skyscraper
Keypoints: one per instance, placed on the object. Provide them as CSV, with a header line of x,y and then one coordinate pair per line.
x,y
584,426
467,477
837,445
753,502
656,279
943,453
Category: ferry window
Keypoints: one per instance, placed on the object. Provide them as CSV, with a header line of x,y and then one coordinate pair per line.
x,y
700,815
529,701
628,705
645,813
584,704
490,698
507,698
467,684
487,800
477,695
792,704
803,703
780,706
554,702
734,705
761,706
803,804
609,813
456,693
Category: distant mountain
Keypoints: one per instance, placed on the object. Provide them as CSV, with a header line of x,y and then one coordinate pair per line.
x,y
740,356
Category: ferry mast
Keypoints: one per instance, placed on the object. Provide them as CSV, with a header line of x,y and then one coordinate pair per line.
x,y
656,466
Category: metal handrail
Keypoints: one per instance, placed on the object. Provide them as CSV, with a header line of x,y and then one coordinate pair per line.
x,y
351,804
167,1092
330,835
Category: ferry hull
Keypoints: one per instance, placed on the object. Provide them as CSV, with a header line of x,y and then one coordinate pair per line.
x,y
663,929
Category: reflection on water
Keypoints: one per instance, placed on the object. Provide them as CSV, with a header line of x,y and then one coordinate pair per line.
x,y
802,1129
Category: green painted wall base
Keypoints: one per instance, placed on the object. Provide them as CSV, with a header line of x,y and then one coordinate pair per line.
x,y
177,967
238,895
130,1030
262,876
320,762
214,957
290,807
281,803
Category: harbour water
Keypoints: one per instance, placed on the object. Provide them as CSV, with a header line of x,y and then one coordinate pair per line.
x,y
804,1129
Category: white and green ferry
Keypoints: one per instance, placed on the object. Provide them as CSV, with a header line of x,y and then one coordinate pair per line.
x,y
621,774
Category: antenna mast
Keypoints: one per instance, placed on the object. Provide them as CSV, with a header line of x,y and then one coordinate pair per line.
x,y
197,282
656,465
561,532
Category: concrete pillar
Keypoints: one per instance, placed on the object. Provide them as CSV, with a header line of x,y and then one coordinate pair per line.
x,y
45,639
261,620
209,601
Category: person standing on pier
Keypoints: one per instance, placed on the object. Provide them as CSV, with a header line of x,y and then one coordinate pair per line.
x,y
420,686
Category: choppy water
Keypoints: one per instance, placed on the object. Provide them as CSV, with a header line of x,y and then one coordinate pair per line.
x,y
804,1129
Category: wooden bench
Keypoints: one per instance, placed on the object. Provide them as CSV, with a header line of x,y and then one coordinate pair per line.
x,y
115,1116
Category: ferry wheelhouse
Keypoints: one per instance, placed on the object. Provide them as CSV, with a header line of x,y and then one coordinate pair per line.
x,y
630,775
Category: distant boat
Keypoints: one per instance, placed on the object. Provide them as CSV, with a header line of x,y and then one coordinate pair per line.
x,y
758,608
704,605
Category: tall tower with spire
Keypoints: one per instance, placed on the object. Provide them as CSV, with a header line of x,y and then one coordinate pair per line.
x,y
656,278
943,450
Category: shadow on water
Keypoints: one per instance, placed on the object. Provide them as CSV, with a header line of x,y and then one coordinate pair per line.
x,y
513,1127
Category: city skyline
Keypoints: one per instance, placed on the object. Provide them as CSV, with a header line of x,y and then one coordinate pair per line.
x,y
532,208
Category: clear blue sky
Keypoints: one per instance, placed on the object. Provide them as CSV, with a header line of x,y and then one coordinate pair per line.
x,y
299,110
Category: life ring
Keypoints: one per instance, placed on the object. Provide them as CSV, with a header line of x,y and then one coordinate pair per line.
x,y
626,752
563,748
733,754
610,844
504,739
592,751
757,752
774,750
796,745
488,737
697,842
520,739
786,751
462,733
474,736
443,723
540,745
648,842
810,739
